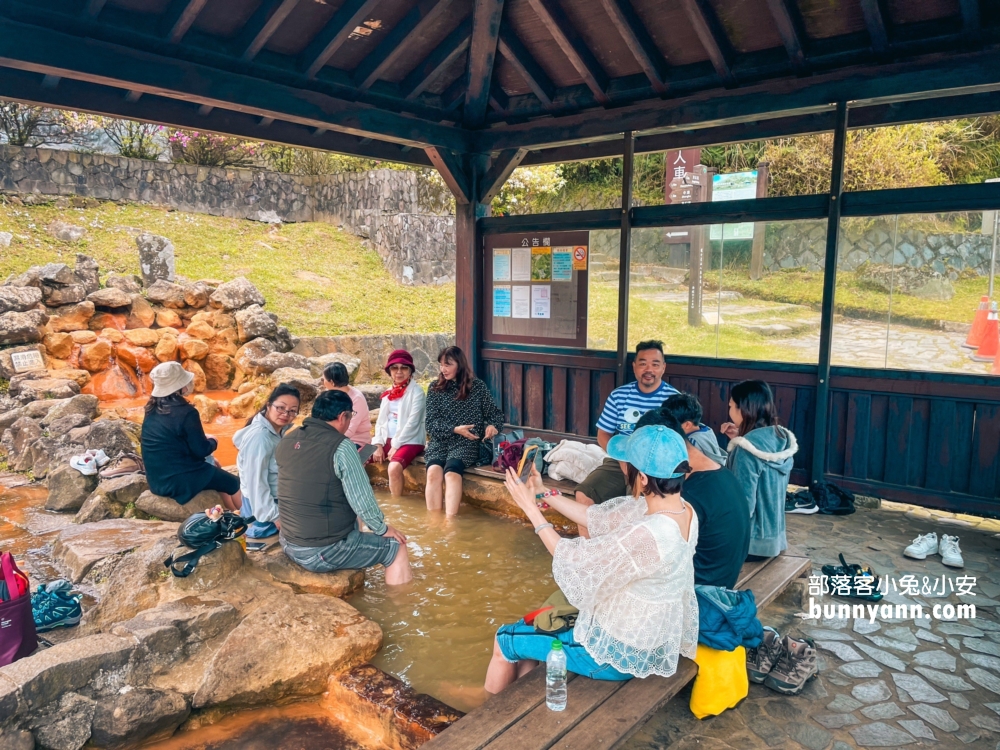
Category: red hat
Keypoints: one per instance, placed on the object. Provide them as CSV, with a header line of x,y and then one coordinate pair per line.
x,y
400,357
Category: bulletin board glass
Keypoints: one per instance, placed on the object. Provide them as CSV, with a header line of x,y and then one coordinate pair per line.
x,y
535,288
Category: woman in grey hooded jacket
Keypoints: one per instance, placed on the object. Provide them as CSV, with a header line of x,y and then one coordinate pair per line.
x,y
760,455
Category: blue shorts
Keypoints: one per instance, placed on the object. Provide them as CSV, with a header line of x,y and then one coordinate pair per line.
x,y
519,641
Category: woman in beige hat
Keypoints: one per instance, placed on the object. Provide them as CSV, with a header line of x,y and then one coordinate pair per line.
x,y
175,448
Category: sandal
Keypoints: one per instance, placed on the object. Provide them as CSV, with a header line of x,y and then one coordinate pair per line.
x,y
868,590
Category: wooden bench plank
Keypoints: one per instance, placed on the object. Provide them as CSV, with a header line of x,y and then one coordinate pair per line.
x,y
542,727
748,571
776,576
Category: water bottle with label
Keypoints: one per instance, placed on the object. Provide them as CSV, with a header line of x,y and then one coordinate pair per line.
x,y
555,678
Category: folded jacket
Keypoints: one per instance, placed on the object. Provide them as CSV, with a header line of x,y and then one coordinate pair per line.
x,y
727,618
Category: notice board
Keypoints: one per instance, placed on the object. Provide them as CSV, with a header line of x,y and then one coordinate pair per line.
x,y
535,288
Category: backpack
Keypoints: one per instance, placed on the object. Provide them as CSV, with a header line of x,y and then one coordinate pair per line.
x,y
18,637
490,449
832,500
203,534
510,456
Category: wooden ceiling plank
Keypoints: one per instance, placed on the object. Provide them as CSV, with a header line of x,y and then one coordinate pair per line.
x,y
559,27
875,21
332,37
431,68
511,47
639,42
503,165
498,98
971,24
262,25
181,15
454,95
94,7
789,22
713,38
408,31
449,166
486,15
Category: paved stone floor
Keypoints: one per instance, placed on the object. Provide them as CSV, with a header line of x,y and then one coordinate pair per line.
x,y
888,684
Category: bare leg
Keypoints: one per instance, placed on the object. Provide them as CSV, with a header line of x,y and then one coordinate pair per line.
x,y
232,502
523,667
583,500
500,673
452,493
433,491
399,571
396,478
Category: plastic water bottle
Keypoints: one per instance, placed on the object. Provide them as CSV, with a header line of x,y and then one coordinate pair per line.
x,y
555,678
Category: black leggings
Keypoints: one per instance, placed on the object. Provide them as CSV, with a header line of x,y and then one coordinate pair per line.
x,y
451,465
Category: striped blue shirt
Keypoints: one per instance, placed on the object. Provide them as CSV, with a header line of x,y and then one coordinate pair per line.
x,y
626,405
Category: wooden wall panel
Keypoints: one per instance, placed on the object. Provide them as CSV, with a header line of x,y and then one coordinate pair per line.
x,y
856,436
916,460
897,438
942,444
961,457
837,444
578,403
534,396
493,377
876,438
513,392
555,403
984,473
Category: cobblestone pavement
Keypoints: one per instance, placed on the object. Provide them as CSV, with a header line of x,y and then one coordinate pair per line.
x,y
894,683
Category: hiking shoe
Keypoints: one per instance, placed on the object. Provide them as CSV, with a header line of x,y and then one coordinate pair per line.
x,y
923,545
86,465
127,463
794,668
55,606
951,555
763,657
802,504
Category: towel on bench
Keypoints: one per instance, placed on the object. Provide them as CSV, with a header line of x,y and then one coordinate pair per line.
x,y
573,460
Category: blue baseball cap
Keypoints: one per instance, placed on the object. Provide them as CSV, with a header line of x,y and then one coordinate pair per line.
x,y
655,450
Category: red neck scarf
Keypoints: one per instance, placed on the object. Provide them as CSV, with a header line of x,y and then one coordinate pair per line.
x,y
396,392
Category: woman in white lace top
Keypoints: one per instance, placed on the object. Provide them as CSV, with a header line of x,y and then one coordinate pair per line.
x,y
633,580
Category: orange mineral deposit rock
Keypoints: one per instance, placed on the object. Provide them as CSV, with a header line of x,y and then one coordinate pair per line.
x,y
166,349
199,375
142,337
59,345
97,356
219,371
200,330
194,348
136,357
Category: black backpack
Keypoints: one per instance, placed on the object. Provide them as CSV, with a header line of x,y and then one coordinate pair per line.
x,y
832,500
203,535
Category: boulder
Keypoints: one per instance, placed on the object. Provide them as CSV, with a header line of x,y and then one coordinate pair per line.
x,y
225,342
156,258
16,739
83,337
250,355
137,357
109,297
215,318
216,569
199,375
194,349
63,425
284,340
168,509
196,619
49,452
166,294
301,379
78,548
23,433
7,362
103,320
96,357
246,404
277,360
84,404
340,583
110,435
45,388
71,317
200,330
308,638
70,294
141,314
252,322
235,295
88,272
22,327
60,368
9,417
31,277
19,298
136,715
64,725
142,337
128,283
59,345
111,498
207,408
166,349
57,274
168,318
66,232
68,489
316,365
196,294
219,371
38,409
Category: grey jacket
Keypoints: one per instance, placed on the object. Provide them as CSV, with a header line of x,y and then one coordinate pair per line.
x,y
762,463
706,441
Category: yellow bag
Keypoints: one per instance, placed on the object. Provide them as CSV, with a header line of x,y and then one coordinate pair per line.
x,y
721,682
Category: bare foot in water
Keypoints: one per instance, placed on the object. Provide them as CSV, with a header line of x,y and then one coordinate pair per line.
x,y
465,697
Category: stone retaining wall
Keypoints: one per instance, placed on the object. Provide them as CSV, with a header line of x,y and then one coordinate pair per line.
x,y
403,215
373,351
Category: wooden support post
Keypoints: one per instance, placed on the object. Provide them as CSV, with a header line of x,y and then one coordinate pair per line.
x,y
625,257
760,228
469,262
821,415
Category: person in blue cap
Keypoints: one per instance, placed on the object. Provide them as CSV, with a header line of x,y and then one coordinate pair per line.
x,y
632,581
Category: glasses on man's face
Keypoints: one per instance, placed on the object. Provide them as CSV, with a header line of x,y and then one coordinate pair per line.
x,y
285,412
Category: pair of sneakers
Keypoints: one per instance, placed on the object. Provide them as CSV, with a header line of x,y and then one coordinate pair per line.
x,y
784,664
928,544
89,462
56,605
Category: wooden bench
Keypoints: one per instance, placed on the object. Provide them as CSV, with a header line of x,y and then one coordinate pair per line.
x,y
599,715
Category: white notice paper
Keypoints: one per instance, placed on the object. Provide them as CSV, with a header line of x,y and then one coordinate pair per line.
x,y
541,301
520,258
521,300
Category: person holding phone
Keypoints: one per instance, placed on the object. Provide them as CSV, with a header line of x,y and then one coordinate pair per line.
x,y
460,414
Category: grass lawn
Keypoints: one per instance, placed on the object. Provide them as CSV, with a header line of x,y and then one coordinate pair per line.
x,y
318,279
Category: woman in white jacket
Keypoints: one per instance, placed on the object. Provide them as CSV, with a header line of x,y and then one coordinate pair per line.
x,y
399,429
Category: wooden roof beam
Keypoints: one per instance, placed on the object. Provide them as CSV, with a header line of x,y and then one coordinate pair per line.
x,y
486,16
971,25
569,41
713,38
262,25
874,20
443,56
498,98
454,95
640,43
503,165
408,31
789,22
180,17
517,55
332,37
449,166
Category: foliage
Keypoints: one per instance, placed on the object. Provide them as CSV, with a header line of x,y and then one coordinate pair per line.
x,y
132,139
526,187
34,127
211,150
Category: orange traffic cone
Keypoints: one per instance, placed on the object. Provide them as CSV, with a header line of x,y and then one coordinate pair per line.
x,y
978,324
996,365
990,345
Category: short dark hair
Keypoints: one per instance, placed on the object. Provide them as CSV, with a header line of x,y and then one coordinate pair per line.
x,y
336,373
685,407
659,485
661,417
329,405
643,346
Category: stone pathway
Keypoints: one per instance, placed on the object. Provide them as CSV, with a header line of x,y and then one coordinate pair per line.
x,y
891,683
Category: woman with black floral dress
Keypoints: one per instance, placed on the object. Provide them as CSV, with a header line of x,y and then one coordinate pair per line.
x,y
460,414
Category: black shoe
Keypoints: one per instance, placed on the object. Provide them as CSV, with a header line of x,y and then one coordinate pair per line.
x,y
853,571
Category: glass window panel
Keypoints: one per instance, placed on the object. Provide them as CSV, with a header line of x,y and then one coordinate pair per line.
x,y
602,289
554,188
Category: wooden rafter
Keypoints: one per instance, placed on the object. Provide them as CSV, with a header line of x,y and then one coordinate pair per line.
x,y
501,168
262,25
517,55
444,55
450,167
713,38
410,30
640,43
454,95
498,98
332,37
180,16
486,16
789,23
559,27
875,21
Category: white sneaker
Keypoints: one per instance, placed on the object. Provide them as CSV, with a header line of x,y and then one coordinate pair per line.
x,y
86,465
923,545
951,555
99,456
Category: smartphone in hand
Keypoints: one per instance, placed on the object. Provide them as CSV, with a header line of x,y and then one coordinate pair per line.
x,y
527,461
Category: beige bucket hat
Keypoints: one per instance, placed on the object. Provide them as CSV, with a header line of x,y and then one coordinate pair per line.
x,y
169,377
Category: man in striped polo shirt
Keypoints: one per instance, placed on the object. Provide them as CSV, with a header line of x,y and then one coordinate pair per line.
x,y
624,407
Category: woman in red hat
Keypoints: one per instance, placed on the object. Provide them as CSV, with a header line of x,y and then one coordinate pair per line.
x,y
399,429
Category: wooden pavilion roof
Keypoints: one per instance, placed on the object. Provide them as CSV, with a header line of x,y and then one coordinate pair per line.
x,y
389,78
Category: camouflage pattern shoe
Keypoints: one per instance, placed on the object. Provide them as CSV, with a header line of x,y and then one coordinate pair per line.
x,y
760,660
796,666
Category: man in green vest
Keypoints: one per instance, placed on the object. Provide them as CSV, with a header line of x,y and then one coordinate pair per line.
x,y
323,491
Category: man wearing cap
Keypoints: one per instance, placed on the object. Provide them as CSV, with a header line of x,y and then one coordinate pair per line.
x,y
399,429
323,491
